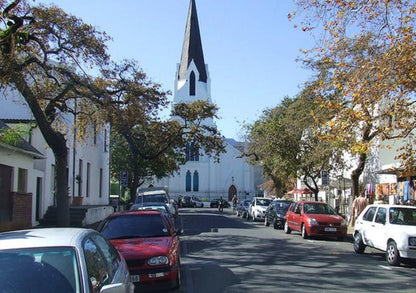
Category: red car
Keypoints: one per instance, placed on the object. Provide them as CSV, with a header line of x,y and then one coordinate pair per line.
x,y
150,245
314,218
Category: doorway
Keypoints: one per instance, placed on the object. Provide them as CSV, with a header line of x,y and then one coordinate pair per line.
x,y
5,192
231,191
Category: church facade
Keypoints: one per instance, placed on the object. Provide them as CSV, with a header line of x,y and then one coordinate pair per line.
x,y
202,176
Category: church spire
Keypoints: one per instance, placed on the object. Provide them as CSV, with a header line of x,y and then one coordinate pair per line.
x,y
192,46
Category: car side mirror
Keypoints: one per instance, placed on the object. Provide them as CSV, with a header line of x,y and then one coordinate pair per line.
x,y
179,231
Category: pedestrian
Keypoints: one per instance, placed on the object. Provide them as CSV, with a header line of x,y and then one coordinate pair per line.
x,y
235,201
358,206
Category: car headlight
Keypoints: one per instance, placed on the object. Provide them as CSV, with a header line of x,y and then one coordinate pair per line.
x,y
158,260
412,241
313,221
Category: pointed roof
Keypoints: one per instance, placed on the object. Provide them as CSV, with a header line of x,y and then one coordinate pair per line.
x,y
192,46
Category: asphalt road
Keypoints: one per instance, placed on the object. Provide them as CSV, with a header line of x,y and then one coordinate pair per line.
x,y
225,253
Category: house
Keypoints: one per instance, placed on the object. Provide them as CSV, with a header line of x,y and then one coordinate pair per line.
x,y
88,169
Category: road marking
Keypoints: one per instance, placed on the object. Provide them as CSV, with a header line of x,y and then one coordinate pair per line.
x,y
386,267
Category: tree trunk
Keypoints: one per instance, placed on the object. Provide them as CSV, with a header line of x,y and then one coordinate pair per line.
x,y
356,173
62,206
56,141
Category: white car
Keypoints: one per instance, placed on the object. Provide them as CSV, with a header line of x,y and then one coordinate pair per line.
x,y
156,194
257,208
390,228
61,260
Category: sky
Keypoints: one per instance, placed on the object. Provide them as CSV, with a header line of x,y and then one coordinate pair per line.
x,y
249,45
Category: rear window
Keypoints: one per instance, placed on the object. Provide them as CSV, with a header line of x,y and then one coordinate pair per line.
x,y
152,198
135,226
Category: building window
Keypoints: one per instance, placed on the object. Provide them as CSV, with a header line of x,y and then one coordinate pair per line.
x,y
105,140
192,84
79,178
192,152
53,180
100,193
188,181
196,181
87,187
22,181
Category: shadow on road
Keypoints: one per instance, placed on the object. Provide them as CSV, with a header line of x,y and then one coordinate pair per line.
x,y
239,259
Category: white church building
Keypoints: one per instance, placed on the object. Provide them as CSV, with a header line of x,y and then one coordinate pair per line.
x,y
202,176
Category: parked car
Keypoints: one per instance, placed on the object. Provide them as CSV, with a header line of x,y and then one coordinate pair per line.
x,y
215,202
276,213
187,202
149,244
314,218
257,208
156,194
198,203
61,260
390,228
164,208
242,208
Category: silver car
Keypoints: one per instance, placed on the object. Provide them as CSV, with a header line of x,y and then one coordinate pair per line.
x,y
61,260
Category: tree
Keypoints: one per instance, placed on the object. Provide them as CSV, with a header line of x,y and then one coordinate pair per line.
x,y
44,53
368,51
153,147
285,142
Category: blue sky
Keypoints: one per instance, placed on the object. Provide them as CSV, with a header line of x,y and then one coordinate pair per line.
x,y
249,45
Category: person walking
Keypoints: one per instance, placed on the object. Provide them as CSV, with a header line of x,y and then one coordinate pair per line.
x,y
235,201
358,206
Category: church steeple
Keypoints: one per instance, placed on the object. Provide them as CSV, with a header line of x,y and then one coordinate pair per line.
x,y
192,47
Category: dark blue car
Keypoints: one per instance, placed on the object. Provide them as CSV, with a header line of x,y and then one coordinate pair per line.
x,y
276,213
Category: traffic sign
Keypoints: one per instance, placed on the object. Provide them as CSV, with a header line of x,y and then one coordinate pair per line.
x,y
324,177
124,178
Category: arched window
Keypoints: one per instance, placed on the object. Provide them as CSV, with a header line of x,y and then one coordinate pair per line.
x,y
196,181
191,152
192,84
188,181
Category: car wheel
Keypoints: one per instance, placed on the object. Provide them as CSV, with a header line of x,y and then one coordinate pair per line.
x,y
304,233
266,223
287,229
392,254
359,245
275,225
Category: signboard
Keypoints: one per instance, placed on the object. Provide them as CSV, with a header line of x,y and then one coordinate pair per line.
x,y
124,177
324,177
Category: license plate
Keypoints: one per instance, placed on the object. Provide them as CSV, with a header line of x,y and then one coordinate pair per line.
x,y
135,278
328,229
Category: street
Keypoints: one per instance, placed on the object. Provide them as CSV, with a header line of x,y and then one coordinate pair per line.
x,y
224,253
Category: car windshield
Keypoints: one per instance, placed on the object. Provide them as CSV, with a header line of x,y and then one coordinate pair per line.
x,y
151,198
318,208
161,208
40,269
135,226
403,216
263,201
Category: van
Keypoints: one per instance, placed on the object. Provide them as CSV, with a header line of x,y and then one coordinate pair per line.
x,y
155,194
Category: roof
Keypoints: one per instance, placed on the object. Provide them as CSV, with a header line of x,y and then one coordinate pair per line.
x,y
192,46
22,146
45,237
